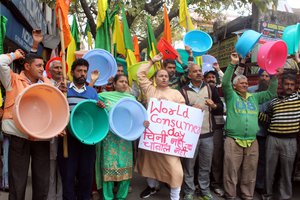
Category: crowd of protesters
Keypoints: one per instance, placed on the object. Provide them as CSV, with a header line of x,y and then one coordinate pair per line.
x,y
258,136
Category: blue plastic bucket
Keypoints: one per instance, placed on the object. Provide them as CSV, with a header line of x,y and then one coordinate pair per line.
x,y
89,123
291,36
247,42
104,62
207,63
126,119
199,41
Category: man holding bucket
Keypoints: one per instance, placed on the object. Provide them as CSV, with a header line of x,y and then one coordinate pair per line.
x,y
79,165
22,148
148,162
241,147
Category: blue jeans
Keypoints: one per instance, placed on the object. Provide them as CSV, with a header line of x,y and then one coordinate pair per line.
x,y
204,151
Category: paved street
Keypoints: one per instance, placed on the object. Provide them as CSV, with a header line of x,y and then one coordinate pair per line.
x,y
139,183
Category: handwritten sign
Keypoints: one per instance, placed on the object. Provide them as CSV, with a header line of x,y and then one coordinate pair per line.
x,y
174,128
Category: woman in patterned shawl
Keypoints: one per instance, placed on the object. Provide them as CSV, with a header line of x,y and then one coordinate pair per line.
x,y
116,154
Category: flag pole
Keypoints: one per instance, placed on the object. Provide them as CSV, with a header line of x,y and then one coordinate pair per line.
x,y
65,142
111,41
187,23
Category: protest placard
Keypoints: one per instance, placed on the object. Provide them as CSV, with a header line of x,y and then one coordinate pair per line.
x,y
174,128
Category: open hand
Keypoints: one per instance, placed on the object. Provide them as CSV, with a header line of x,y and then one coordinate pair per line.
x,y
157,57
95,75
37,36
216,66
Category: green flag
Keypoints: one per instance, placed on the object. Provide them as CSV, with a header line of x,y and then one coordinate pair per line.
x,y
3,21
103,21
75,33
127,36
151,49
130,57
73,46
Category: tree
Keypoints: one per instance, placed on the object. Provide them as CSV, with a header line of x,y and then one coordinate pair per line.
x,y
137,10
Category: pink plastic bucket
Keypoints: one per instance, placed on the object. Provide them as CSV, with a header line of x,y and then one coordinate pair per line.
x,y
272,55
166,49
41,111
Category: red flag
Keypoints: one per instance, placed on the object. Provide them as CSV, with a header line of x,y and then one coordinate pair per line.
x,y
64,7
167,29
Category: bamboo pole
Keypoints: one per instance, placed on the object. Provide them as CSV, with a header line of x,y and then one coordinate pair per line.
x,y
111,41
65,142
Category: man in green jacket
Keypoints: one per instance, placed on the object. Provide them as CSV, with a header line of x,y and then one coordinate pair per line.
x,y
241,147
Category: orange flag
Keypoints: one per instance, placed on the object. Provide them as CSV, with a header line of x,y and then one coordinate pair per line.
x,y
136,48
167,29
64,7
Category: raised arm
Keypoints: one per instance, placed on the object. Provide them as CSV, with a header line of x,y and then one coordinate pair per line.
x,y
37,36
271,92
145,84
226,82
216,66
5,71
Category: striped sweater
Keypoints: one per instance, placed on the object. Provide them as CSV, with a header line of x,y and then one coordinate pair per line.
x,y
283,116
74,97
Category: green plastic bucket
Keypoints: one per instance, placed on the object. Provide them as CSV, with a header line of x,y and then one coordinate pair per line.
x,y
89,123
134,68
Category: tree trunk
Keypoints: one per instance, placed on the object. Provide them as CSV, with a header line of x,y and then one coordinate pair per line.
x,y
255,17
89,16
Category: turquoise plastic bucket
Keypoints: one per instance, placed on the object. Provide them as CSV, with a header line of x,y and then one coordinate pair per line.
x,y
291,36
89,123
184,57
199,41
126,119
247,42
